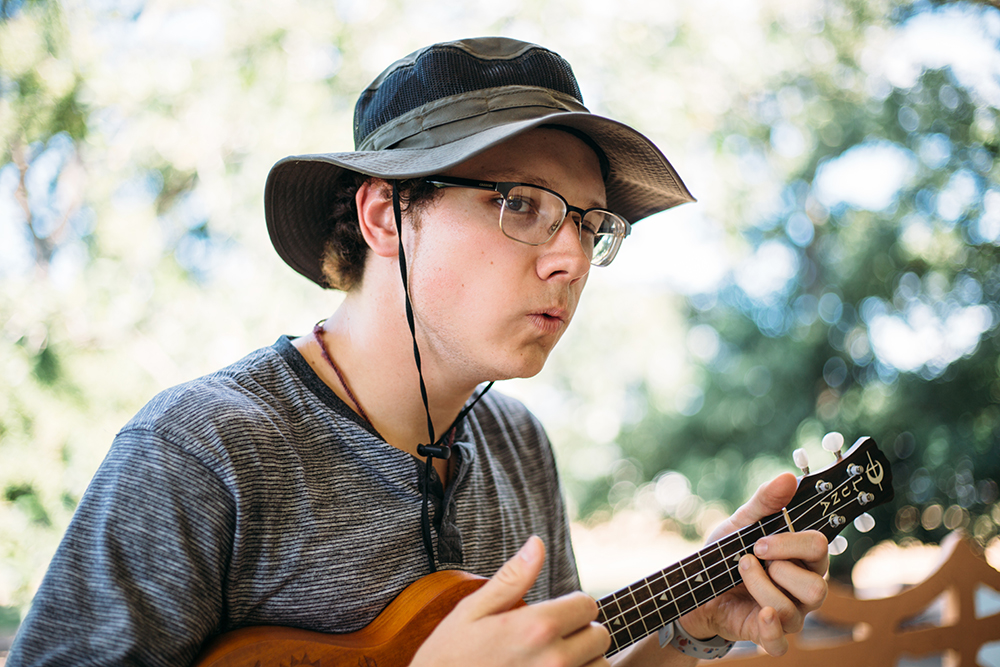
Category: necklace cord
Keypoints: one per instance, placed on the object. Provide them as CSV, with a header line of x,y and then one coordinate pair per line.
x,y
318,335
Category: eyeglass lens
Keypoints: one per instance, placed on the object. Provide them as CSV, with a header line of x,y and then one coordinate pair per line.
x,y
533,216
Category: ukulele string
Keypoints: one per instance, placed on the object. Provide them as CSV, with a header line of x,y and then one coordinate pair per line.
x,y
726,576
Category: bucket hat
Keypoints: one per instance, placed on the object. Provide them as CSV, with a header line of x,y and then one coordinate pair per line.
x,y
440,106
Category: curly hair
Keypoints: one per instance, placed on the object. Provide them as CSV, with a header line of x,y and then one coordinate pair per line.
x,y
345,251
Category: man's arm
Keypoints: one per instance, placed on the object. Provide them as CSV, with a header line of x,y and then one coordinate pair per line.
x,y
138,577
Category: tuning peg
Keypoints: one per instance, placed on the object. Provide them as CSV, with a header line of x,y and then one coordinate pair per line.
x,y
833,442
864,522
801,460
838,545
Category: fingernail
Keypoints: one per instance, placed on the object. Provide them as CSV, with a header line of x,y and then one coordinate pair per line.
x,y
528,551
760,548
745,562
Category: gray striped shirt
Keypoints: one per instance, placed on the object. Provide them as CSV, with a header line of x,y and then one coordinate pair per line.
x,y
254,496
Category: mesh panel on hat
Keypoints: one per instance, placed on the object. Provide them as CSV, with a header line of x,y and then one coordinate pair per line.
x,y
445,71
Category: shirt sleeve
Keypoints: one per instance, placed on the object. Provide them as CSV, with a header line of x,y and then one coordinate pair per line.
x,y
139,575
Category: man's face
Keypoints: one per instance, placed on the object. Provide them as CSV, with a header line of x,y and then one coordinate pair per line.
x,y
488,307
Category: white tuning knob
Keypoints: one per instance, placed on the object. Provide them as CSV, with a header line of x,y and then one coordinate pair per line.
x,y
833,442
801,460
865,522
838,545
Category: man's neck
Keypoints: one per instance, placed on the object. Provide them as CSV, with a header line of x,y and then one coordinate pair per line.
x,y
369,341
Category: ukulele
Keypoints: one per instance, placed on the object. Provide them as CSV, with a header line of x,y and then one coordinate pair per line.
x,y
824,501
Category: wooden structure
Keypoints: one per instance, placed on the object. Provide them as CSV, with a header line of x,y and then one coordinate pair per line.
x,y
937,617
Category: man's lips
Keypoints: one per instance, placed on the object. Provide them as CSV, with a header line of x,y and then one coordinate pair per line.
x,y
550,320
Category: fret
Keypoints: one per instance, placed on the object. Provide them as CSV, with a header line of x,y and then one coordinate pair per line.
x,y
659,589
750,534
732,550
607,609
619,635
716,568
743,545
609,613
611,616
684,598
649,610
617,610
630,613
701,587
616,645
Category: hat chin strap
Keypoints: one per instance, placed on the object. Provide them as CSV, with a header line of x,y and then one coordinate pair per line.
x,y
439,449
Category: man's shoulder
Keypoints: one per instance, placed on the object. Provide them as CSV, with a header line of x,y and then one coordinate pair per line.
x,y
241,385
505,408
258,397
506,423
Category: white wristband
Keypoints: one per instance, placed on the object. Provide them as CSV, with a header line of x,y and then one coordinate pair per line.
x,y
675,635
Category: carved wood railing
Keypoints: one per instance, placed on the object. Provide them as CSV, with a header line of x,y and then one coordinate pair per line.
x,y
879,632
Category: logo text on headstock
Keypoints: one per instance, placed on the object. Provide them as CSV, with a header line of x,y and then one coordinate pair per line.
x,y
874,471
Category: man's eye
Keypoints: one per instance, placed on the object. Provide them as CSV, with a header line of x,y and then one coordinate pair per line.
x,y
518,205
594,224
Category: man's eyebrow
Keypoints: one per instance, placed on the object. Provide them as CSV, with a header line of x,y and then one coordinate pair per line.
x,y
517,177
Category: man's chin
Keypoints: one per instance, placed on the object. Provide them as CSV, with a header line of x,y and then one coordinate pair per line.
x,y
531,367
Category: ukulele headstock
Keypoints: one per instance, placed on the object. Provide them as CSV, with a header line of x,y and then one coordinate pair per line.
x,y
857,481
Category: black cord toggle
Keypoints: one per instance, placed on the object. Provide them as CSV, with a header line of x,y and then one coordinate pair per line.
x,y
435,451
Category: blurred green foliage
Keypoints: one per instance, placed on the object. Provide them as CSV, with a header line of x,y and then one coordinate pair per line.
x,y
135,142
888,326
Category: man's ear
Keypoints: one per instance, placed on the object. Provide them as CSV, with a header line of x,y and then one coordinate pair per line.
x,y
375,216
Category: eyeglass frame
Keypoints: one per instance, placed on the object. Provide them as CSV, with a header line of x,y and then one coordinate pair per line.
x,y
503,188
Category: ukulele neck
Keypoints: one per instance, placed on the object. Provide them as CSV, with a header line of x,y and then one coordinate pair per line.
x,y
644,607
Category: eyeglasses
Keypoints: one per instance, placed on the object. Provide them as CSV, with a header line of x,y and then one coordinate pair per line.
x,y
532,214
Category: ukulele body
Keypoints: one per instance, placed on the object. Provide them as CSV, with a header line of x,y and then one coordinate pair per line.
x,y
391,640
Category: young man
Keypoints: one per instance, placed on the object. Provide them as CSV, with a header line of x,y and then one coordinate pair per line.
x,y
309,483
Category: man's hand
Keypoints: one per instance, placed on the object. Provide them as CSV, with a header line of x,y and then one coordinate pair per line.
x,y
775,596
483,629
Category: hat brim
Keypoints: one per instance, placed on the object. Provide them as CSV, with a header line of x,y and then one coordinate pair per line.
x,y
640,182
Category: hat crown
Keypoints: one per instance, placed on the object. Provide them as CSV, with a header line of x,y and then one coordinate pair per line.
x,y
452,69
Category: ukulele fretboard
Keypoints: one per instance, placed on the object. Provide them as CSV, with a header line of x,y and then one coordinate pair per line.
x,y
647,605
